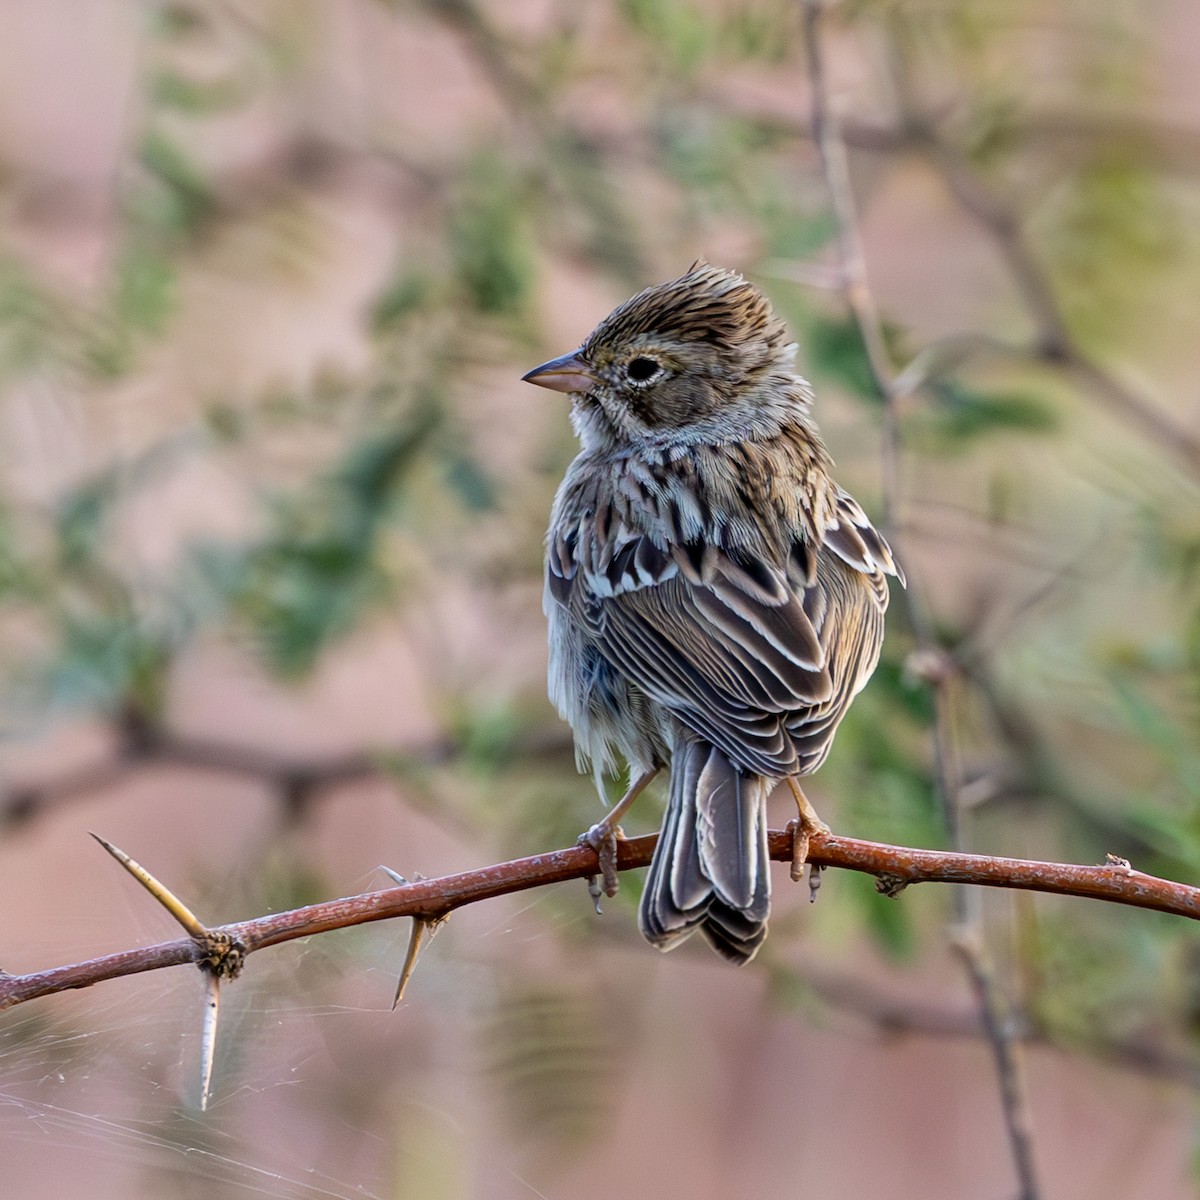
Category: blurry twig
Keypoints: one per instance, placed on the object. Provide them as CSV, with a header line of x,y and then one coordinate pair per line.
x,y
1151,140
298,781
895,868
916,132
895,1016
1054,343
851,266
486,45
936,668
998,1023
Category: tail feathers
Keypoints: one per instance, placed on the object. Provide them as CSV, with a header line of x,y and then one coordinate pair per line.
x,y
710,869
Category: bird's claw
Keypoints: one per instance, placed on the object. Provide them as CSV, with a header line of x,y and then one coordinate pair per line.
x,y
603,839
802,830
815,870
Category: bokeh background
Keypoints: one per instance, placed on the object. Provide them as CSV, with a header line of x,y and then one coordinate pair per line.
x,y
271,507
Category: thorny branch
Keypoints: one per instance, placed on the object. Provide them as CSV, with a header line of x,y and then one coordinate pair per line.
x,y
895,868
935,663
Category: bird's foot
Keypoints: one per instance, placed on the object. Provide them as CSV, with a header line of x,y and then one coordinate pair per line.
x,y
603,838
802,833
806,824
604,835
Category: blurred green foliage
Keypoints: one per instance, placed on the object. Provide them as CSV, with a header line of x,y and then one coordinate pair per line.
x,y
313,575
1095,729
489,236
1110,234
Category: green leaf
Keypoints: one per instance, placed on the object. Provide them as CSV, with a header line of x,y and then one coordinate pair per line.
x,y
310,580
888,918
81,515
198,97
836,350
376,466
893,684
406,294
758,32
30,320
106,661
612,236
681,30
299,596
178,20
487,734
469,480
185,199
1113,237
80,520
145,296
958,413
489,239
792,233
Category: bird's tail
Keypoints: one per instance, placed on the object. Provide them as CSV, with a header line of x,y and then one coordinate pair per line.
x,y
711,869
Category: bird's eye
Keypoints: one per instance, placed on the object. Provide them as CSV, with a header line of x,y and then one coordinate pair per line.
x,y
642,370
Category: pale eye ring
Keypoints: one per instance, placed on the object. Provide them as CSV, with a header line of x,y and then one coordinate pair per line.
x,y
642,369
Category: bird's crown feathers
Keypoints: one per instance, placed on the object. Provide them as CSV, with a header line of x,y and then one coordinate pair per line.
x,y
706,305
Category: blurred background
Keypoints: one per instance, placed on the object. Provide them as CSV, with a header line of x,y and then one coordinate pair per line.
x,y
271,509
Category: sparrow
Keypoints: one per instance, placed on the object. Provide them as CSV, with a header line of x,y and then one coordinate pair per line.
x,y
714,599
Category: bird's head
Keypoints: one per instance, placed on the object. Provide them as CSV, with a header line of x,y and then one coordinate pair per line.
x,y
699,356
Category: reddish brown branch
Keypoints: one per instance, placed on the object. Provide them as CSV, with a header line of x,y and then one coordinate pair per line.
x,y
895,866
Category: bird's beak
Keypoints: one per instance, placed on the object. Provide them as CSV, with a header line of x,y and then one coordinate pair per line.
x,y
569,373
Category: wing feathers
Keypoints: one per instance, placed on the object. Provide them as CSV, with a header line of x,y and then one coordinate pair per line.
x,y
761,658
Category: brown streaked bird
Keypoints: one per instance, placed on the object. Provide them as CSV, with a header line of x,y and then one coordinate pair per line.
x,y
715,599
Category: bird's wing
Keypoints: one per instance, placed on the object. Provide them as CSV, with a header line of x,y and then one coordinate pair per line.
x,y
759,659
852,633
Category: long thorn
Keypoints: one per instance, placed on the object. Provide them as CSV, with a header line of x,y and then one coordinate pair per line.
x,y
422,927
176,907
223,956
208,1035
